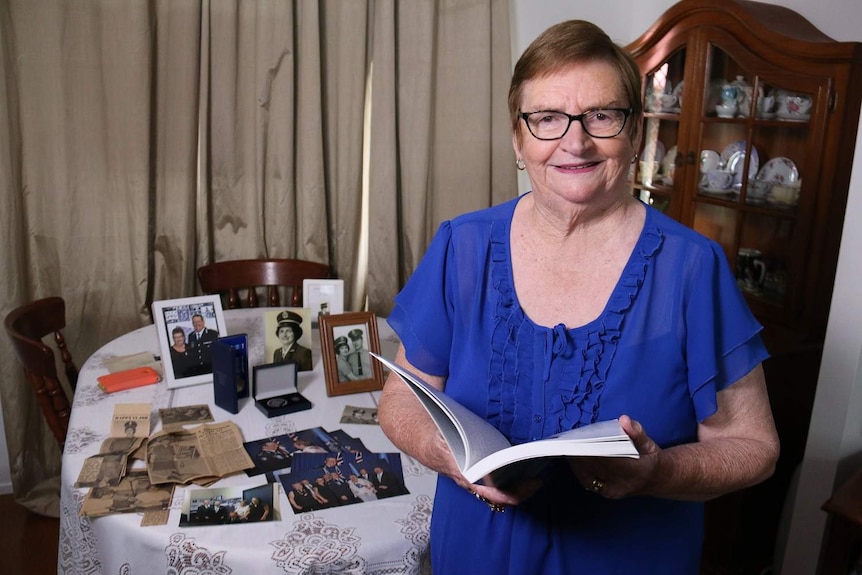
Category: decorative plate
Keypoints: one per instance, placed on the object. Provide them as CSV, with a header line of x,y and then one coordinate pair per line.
x,y
709,160
736,162
731,150
779,171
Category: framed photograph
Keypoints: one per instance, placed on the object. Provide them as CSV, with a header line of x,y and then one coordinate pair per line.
x,y
323,297
187,328
345,340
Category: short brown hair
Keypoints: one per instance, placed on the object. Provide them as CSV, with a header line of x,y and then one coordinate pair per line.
x,y
567,43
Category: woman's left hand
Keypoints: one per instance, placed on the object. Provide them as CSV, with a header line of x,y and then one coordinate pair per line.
x,y
618,477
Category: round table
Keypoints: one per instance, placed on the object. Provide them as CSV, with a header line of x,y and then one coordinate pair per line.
x,y
385,536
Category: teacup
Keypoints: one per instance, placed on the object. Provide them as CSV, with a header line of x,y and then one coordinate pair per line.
x,y
726,109
758,189
719,179
668,101
729,94
765,104
794,106
784,195
662,102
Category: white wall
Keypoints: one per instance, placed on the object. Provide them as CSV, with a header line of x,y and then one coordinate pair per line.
x,y
836,425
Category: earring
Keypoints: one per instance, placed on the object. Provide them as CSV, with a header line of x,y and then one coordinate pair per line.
x,y
519,163
634,158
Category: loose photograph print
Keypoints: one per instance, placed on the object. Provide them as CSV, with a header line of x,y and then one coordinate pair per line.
x,y
345,343
274,453
320,481
362,415
187,328
229,506
178,417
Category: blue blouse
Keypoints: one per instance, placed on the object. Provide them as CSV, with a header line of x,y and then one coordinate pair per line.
x,y
675,331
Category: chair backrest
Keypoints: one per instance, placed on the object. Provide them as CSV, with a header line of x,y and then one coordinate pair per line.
x,y
26,326
234,277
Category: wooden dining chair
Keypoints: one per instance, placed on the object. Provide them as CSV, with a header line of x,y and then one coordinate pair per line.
x,y
27,326
239,280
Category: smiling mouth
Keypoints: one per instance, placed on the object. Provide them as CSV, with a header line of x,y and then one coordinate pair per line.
x,y
577,167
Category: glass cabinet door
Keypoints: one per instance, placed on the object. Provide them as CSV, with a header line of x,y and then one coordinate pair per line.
x,y
752,140
655,172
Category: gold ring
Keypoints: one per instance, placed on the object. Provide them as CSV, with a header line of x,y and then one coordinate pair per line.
x,y
597,485
495,507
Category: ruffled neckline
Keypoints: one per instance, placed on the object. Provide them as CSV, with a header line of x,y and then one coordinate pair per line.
x,y
582,354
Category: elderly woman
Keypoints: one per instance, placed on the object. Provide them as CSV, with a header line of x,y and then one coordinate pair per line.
x,y
572,304
181,361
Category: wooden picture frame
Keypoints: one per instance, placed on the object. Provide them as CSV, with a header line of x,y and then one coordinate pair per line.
x,y
352,370
194,366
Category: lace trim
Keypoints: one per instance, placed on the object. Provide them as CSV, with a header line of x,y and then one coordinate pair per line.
x,y
587,351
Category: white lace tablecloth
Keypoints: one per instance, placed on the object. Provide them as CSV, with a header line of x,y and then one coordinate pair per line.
x,y
389,536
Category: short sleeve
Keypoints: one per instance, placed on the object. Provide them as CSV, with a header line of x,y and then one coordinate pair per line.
x,y
422,316
722,335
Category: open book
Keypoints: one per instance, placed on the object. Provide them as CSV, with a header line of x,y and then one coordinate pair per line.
x,y
480,449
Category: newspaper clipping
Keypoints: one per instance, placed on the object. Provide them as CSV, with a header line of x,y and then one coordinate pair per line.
x,y
200,455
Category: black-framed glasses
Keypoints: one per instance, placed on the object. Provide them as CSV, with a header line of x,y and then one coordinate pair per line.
x,y
553,125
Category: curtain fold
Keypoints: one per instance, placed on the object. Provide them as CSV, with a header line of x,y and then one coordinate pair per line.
x,y
145,138
441,143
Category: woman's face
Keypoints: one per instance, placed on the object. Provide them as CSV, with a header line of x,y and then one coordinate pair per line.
x,y
343,350
577,168
179,340
285,336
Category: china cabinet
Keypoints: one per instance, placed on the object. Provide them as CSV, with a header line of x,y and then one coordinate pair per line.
x,y
750,121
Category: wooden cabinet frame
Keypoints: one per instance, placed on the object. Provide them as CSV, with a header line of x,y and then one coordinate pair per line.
x,y
775,46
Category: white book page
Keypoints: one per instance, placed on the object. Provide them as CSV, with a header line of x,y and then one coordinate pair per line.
x,y
470,438
602,439
480,449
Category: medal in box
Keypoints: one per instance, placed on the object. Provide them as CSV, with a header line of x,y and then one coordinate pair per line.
x,y
275,390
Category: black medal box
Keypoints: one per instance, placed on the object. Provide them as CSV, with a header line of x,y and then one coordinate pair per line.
x,y
275,390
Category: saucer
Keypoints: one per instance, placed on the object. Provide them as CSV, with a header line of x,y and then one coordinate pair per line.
x,y
787,116
779,171
717,191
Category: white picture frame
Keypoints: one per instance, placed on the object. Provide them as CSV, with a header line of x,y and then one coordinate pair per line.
x,y
193,366
323,297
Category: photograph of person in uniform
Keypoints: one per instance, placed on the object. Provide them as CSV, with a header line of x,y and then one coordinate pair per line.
x,y
288,332
198,344
359,359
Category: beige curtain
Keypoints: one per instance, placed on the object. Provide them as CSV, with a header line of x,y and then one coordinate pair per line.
x,y
441,142
144,138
